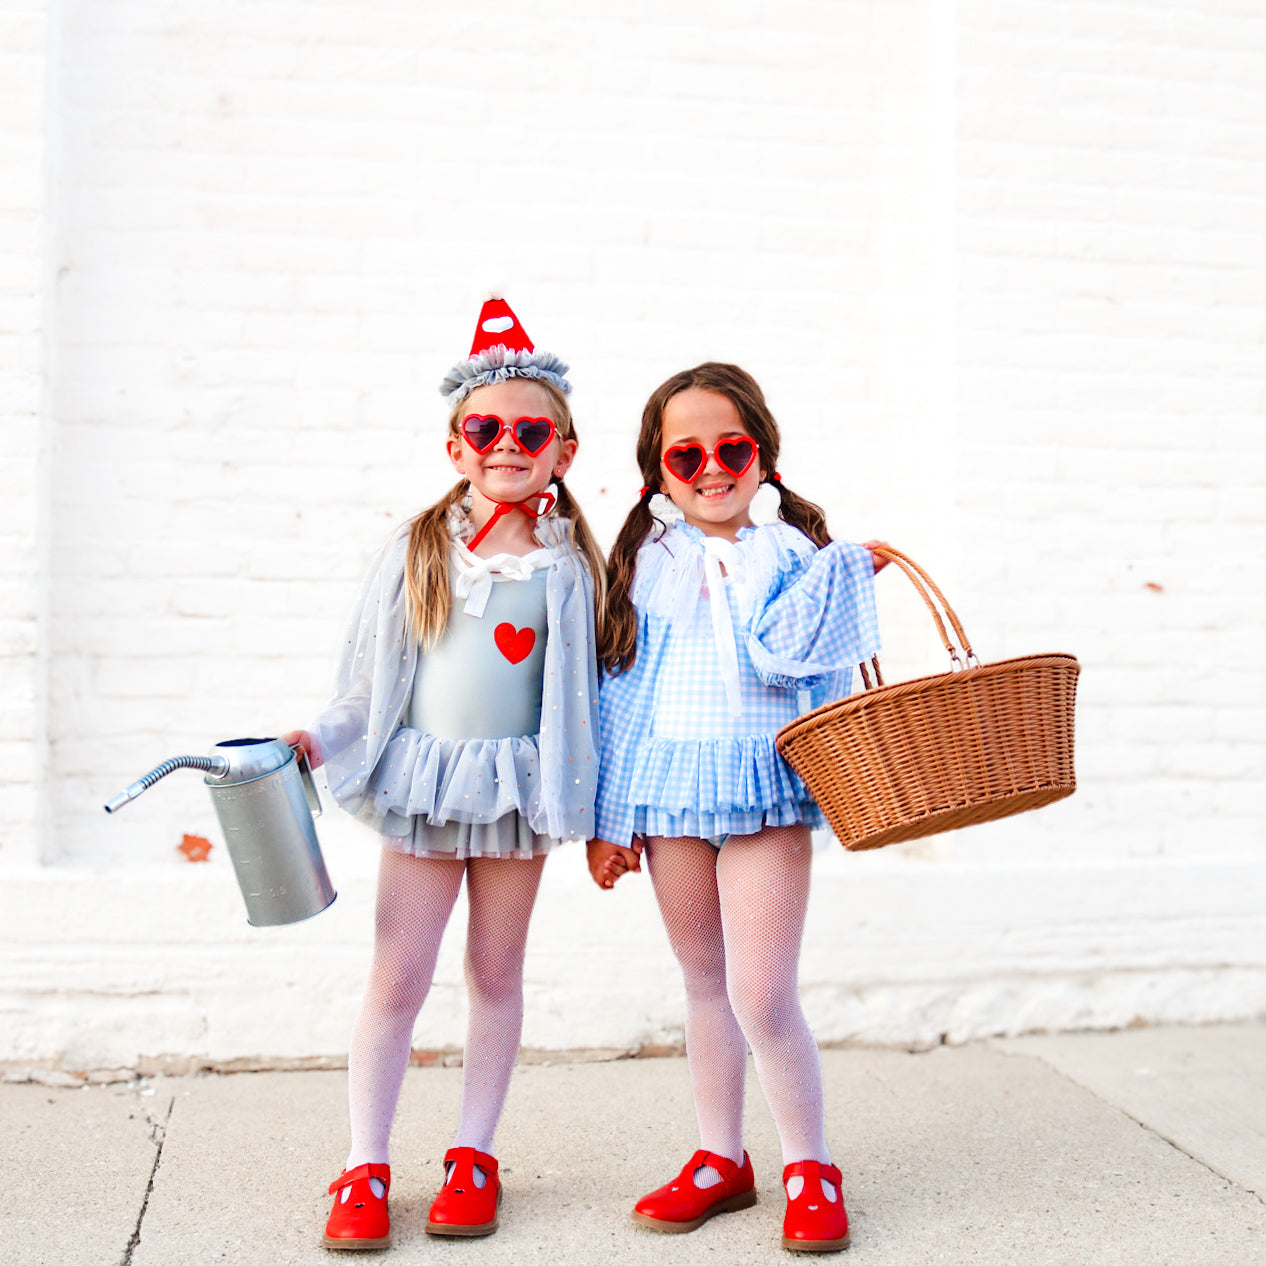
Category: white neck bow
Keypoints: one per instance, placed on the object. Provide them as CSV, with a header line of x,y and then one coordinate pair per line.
x,y
717,554
476,575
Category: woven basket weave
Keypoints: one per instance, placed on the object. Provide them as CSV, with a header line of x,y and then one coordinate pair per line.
x,y
981,742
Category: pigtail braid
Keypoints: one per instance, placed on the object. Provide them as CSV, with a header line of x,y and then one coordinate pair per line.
x,y
617,648
801,513
583,537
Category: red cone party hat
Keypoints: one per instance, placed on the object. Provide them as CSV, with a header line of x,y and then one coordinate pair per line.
x,y
499,327
501,350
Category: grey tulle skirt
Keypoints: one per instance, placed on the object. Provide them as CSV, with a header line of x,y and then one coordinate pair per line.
x,y
506,836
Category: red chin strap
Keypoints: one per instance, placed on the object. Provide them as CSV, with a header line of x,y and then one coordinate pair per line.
x,y
534,507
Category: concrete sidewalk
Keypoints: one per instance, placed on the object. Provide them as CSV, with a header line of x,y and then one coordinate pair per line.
x,y
1145,1146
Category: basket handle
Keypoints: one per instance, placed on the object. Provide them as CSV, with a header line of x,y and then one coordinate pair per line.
x,y
926,588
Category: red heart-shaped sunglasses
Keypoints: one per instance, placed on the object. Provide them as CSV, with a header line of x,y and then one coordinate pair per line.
x,y
483,431
687,461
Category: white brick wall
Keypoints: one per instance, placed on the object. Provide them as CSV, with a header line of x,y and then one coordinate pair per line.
x,y
1112,259
23,277
998,266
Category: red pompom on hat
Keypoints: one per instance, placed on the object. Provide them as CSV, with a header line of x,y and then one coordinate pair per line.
x,y
501,350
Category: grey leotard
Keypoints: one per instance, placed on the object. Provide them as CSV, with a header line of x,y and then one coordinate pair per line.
x,y
483,681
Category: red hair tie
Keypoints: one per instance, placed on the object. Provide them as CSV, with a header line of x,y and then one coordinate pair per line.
x,y
776,477
645,489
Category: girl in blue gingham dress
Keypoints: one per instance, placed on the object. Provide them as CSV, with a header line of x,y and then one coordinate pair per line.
x,y
720,632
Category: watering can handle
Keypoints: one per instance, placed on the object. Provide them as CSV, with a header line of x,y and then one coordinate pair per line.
x,y
309,785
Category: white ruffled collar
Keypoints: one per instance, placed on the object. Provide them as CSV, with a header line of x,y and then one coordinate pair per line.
x,y
678,536
670,578
477,574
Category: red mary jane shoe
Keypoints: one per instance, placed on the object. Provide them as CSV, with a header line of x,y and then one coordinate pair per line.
x,y
681,1206
813,1223
461,1208
359,1218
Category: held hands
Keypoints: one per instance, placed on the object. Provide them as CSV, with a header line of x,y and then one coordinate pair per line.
x,y
607,862
301,738
879,563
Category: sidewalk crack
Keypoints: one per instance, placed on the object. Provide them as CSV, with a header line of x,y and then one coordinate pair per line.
x,y
158,1136
1154,1130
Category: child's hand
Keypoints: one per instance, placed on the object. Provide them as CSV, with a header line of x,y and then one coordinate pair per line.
x,y
879,563
301,738
607,862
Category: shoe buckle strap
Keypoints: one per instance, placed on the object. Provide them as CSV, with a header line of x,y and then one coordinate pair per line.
x,y
464,1160
367,1171
722,1164
813,1170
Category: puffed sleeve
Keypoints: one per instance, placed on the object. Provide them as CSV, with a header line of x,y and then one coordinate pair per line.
x,y
816,619
373,681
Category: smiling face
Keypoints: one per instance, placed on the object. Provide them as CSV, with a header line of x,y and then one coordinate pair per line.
x,y
717,501
505,473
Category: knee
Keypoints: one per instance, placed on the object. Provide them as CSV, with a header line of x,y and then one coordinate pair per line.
x,y
493,978
398,991
765,1015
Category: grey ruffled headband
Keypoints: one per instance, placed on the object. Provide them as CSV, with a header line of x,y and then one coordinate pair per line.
x,y
501,350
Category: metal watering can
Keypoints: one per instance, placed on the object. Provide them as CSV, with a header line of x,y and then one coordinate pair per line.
x,y
265,798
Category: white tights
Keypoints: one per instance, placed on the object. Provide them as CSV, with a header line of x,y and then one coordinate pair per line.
x,y
735,918
415,899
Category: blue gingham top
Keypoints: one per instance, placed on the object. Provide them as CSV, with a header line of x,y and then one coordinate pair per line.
x,y
724,660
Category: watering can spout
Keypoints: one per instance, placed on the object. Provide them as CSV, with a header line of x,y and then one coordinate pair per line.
x,y
214,766
126,796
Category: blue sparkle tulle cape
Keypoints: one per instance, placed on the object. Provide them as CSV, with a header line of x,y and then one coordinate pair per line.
x,y
687,743
387,773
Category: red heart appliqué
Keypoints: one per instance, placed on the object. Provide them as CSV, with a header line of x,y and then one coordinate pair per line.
x,y
515,644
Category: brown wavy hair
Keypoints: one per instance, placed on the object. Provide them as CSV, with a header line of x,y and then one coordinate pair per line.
x,y
426,566
617,647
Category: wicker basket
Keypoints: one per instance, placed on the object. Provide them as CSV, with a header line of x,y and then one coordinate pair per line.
x,y
982,741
